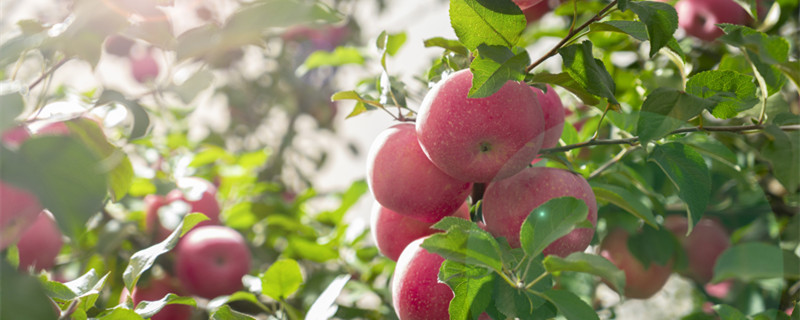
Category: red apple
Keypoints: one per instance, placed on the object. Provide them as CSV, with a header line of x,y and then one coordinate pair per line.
x,y
640,282
118,45
144,68
392,231
416,290
40,243
525,4
703,246
211,261
537,11
480,139
155,290
699,17
19,208
405,181
507,203
14,137
193,195
553,111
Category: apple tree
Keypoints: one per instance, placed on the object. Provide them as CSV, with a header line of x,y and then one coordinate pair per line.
x,y
557,159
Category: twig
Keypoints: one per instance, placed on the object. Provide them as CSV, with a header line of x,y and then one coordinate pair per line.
x,y
47,73
571,34
611,162
67,314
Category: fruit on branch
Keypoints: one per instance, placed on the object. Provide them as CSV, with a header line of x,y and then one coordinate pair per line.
x,y
144,68
640,282
404,180
40,244
699,17
525,4
193,194
155,290
507,203
392,231
416,290
19,209
553,111
703,246
118,45
211,261
537,11
480,139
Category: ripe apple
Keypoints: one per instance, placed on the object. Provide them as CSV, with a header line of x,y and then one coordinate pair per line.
x,y
537,11
553,111
507,203
699,17
405,181
211,261
19,209
416,290
155,290
14,137
525,4
703,246
144,68
640,282
192,195
40,243
392,231
480,139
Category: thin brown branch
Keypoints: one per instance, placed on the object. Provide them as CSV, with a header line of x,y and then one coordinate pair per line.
x,y
571,34
611,162
47,73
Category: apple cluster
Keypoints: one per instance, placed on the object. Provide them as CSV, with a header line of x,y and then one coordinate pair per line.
x,y
420,173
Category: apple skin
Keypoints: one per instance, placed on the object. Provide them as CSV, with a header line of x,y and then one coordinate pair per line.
x,y
553,111
155,290
405,181
416,290
144,68
118,45
703,246
15,136
480,139
211,261
640,283
699,17
19,209
507,203
392,231
537,11
40,243
525,4
198,193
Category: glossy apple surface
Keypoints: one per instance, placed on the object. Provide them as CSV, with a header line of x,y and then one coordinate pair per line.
x,y
417,293
507,203
703,246
699,17
480,139
392,231
211,261
156,289
40,244
640,282
405,181
553,111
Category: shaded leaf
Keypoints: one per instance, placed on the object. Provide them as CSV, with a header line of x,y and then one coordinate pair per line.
x,y
464,242
565,81
688,172
630,200
661,21
226,313
666,109
587,71
494,67
755,260
472,286
731,92
572,307
587,263
550,221
148,309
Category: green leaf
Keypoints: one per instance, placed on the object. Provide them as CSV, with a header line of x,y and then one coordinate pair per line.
x,y
755,260
22,296
142,260
89,283
550,221
339,57
65,175
572,307
782,150
792,70
732,92
727,312
464,242
635,29
587,71
326,302
523,304
652,245
565,81
141,121
148,309
493,23
120,314
770,49
246,25
688,172
116,162
628,199
281,279
190,88
226,313
11,106
447,44
239,296
472,286
587,263
666,109
494,67
661,21
310,250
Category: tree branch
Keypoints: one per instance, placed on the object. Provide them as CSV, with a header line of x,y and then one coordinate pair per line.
x,y
47,73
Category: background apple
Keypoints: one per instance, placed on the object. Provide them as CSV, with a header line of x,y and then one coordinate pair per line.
x,y
118,45
480,139
405,181
192,195
703,246
18,211
699,17
640,282
416,290
553,111
40,244
211,261
13,137
537,11
156,289
144,68
392,231
524,4
507,203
